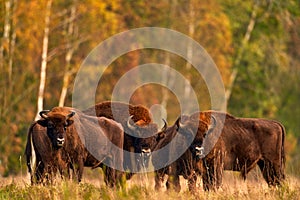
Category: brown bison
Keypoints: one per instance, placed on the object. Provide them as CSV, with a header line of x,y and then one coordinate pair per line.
x,y
43,156
120,112
66,138
185,165
237,144
138,126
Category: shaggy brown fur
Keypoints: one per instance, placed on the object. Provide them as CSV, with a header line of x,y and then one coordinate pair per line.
x,y
185,165
244,142
143,127
79,132
120,112
48,158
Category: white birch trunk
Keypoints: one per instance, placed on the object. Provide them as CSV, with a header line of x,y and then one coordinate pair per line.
x,y
6,52
70,50
191,32
167,76
6,30
244,42
5,42
44,60
12,45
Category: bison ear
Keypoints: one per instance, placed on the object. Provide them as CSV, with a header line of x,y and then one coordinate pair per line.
x,y
177,123
43,122
160,136
70,122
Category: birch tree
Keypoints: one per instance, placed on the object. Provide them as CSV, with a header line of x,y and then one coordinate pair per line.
x,y
44,59
6,51
189,54
7,47
240,51
167,76
71,47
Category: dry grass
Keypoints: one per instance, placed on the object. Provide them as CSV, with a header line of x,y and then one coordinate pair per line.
x,y
142,187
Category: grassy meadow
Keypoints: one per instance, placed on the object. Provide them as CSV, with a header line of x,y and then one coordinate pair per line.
x,y
142,187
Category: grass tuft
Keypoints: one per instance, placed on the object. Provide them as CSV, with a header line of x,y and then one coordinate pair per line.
x,y
233,188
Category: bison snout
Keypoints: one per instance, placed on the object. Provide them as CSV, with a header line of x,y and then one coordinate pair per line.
x,y
60,141
144,158
146,152
199,152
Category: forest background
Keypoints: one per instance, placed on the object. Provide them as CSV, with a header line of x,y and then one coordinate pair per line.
x,y
254,43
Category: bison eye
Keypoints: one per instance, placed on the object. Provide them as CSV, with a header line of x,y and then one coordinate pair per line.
x,y
50,125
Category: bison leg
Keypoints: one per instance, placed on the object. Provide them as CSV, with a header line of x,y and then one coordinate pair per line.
x,y
212,171
192,182
248,167
218,169
109,176
113,178
38,176
64,171
173,183
129,175
208,179
159,178
270,172
212,174
78,168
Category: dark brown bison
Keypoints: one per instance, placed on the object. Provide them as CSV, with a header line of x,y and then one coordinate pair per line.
x,y
241,144
43,156
77,139
184,165
120,112
138,126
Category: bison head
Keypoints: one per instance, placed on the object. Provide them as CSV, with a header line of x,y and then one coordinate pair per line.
x,y
56,124
202,129
144,135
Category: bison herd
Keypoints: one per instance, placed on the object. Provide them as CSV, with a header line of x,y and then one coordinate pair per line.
x,y
122,139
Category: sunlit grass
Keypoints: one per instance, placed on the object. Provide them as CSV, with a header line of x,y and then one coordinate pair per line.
x,y
94,188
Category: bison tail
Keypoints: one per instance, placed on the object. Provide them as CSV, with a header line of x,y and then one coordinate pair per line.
x,y
282,152
30,152
32,156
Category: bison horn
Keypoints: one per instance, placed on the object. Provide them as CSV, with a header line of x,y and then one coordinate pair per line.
x,y
129,125
165,125
213,124
179,124
72,113
44,113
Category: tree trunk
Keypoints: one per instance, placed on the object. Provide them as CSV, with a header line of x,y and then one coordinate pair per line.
x,y
70,50
167,79
191,31
12,45
6,65
165,73
240,52
44,60
4,48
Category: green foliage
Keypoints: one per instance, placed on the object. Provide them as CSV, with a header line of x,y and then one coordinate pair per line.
x,y
259,89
